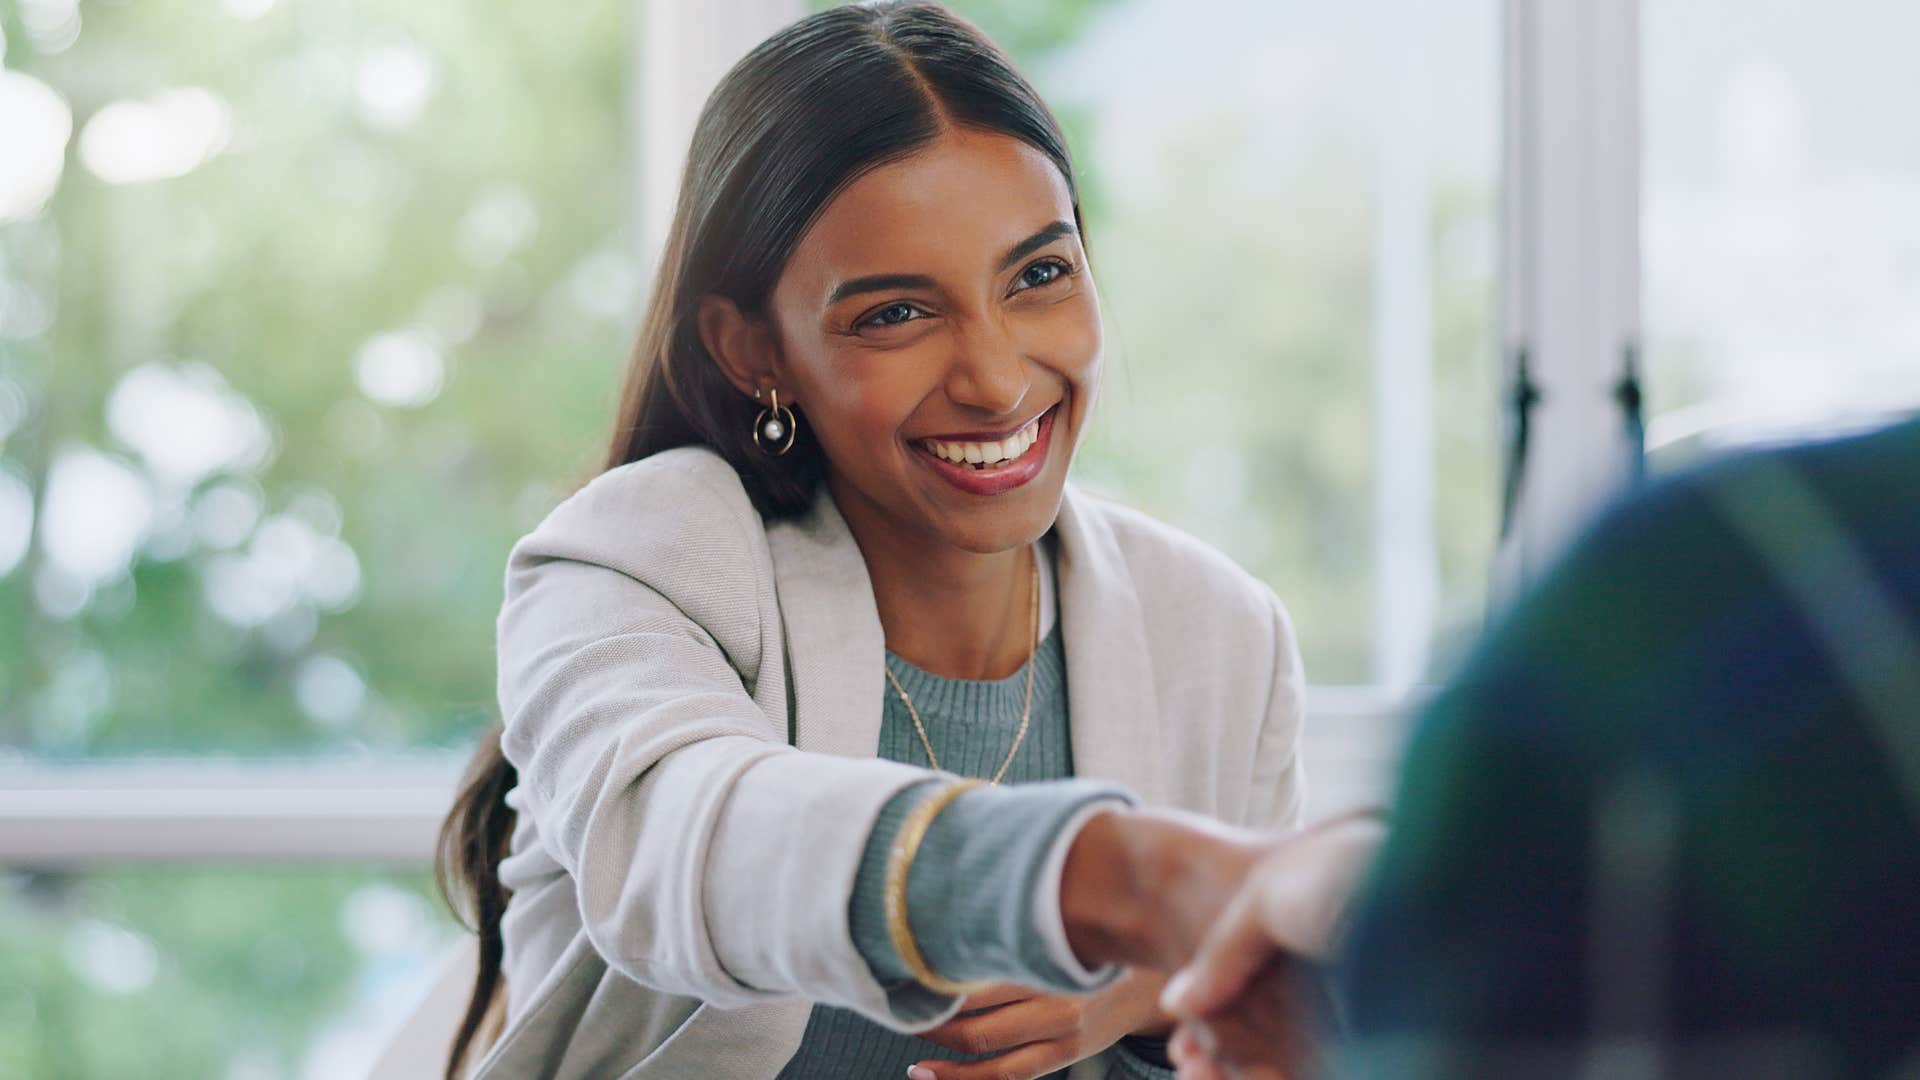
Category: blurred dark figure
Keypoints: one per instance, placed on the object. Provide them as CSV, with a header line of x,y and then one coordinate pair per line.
x,y
1667,821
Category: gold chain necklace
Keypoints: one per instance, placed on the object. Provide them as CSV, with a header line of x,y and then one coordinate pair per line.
x,y
1026,711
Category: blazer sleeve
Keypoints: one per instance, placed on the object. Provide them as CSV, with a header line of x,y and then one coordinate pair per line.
x,y
710,858
1277,791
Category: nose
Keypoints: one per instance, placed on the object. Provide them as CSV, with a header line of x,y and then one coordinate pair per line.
x,y
989,371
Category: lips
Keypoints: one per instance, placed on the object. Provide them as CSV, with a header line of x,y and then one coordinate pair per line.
x,y
991,463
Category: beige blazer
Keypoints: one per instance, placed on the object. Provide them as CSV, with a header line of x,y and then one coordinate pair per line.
x,y
692,699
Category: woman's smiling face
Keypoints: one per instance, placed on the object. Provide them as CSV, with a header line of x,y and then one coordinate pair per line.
x,y
941,308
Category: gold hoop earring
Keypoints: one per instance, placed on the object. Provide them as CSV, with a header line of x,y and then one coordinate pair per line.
x,y
774,429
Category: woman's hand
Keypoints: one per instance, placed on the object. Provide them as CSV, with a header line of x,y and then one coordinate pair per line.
x,y
1031,1034
1144,887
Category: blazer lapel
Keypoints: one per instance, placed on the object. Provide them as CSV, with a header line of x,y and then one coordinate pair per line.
x,y
1113,714
834,643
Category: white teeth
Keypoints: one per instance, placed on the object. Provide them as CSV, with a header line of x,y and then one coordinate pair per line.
x,y
989,453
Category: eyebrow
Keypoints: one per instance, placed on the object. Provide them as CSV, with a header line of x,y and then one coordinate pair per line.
x,y
884,282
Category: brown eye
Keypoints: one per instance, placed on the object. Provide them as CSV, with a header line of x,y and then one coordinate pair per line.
x,y
893,315
1045,272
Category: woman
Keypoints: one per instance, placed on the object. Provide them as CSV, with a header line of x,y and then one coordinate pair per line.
x,y
834,561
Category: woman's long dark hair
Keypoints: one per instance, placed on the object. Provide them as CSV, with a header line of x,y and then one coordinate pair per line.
x,y
798,119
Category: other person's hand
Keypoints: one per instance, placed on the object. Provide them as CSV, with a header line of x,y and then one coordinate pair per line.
x,y
1031,1034
1268,1034
1246,1000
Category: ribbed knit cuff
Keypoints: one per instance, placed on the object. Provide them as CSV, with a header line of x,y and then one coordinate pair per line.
x,y
970,897
1047,918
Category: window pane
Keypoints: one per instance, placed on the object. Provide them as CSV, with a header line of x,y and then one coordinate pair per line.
x,y
235,974
308,313
1782,219
327,305
1292,209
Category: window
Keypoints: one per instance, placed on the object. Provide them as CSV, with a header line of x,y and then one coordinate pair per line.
x,y
175,972
1295,230
308,309
1782,220
304,316
323,312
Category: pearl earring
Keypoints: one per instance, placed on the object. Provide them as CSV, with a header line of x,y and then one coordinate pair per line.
x,y
774,428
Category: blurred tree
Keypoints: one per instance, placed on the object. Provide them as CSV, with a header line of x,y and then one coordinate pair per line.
x,y
324,335
195,974
407,261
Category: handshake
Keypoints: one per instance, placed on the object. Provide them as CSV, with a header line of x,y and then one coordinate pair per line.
x,y
1238,918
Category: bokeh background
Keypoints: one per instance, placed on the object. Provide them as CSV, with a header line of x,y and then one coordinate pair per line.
x,y
309,308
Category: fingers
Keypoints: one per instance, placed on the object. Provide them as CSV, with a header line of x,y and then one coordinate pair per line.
x,y
1236,1040
996,995
1192,1061
1008,1026
1237,947
1188,1050
1023,1063
1267,1031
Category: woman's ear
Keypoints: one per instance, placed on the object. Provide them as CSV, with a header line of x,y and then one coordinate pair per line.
x,y
743,346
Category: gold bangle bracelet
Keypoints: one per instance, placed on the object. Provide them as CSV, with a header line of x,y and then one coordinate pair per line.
x,y
906,845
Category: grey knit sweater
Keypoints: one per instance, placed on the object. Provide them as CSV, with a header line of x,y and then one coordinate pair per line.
x,y
971,893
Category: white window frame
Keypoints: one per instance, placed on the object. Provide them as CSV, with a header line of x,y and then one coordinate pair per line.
x,y
1569,302
197,811
1570,268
